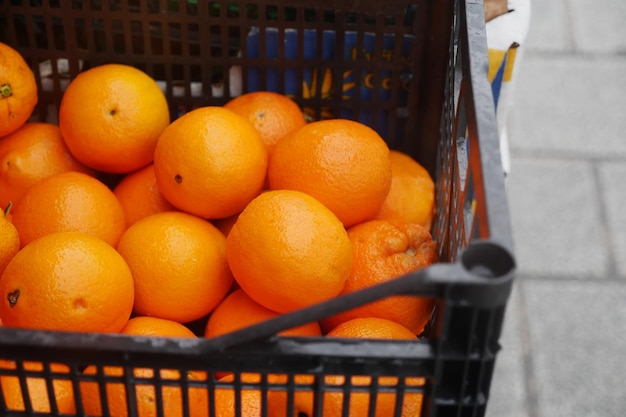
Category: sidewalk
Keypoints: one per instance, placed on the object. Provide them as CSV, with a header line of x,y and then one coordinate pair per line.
x,y
564,341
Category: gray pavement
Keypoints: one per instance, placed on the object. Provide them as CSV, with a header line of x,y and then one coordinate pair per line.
x,y
564,341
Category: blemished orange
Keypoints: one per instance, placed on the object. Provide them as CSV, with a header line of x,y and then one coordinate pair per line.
x,y
238,310
359,402
69,201
68,281
18,90
9,239
342,163
40,400
140,195
210,162
154,326
171,396
383,251
179,266
31,153
111,117
274,115
145,393
411,198
288,251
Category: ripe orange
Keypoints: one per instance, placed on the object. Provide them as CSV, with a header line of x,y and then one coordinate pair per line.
x,y
288,251
411,198
359,402
238,310
383,251
18,90
154,326
9,239
140,196
342,163
274,115
67,281
179,265
250,398
40,401
210,162
69,201
371,328
171,396
145,392
31,153
111,117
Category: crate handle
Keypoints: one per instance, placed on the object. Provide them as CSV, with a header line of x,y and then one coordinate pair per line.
x,y
448,281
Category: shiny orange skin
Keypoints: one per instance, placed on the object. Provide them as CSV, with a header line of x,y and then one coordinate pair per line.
x,y
33,152
18,90
274,115
288,251
111,117
210,162
342,163
179,265
67,281
238,310
383,251
154,326
9,239
69,201
411,198
140,196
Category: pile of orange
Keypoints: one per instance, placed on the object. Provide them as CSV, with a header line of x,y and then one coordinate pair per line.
x,y
227,216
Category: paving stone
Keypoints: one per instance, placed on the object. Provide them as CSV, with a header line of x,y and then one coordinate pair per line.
x,y
612,175
578,346
556,218
549,26
508,391
570,104
598,26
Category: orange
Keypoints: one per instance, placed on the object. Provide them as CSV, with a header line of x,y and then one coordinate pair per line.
x,y
383,251
342,163
18,90
371,328
288,251
411,198
179,265
69,201
171,395
9,239
145,392
140,196
40,401
250,398
210,162
238,310
359,402
31,153
154,326
274,115
111,117
67,281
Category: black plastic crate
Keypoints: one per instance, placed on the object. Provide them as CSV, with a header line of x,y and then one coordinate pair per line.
x,y
426,63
